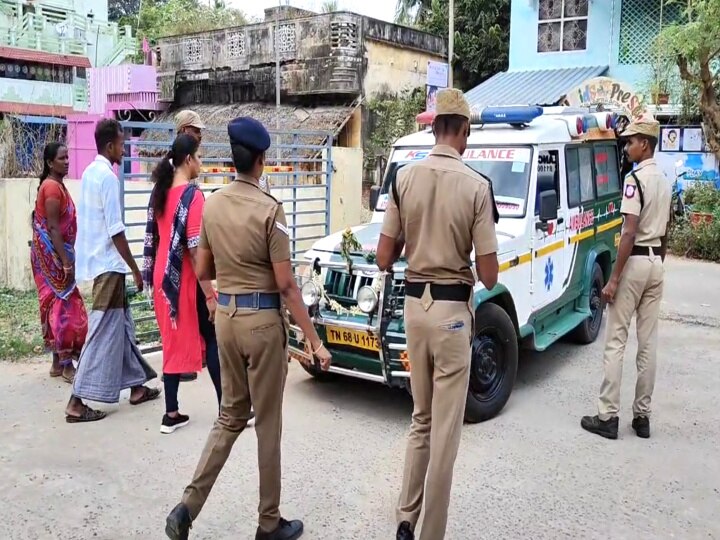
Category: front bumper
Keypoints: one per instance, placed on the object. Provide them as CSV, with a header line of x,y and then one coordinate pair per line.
x,y
386,363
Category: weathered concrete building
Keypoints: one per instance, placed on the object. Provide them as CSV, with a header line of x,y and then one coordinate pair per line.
x,y
329,62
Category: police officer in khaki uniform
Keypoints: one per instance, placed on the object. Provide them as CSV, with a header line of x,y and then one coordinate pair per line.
x,y
244,243
636,283
189,122
443,210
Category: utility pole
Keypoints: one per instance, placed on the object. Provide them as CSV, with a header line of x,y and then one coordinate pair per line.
x,y
451,41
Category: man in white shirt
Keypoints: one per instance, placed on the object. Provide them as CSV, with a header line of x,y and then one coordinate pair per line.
x,y
110,360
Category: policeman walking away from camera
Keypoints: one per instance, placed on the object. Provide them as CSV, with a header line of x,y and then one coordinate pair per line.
x,y
244,244
636,284
429,198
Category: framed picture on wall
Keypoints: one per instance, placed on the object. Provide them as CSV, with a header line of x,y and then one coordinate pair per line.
x,y
670,139
692,140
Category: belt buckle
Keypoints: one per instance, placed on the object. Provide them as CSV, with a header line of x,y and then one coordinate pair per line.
x,y
255,301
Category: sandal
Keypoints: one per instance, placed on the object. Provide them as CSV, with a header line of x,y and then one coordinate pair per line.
x,y
149,394
56,373
88,415
68,379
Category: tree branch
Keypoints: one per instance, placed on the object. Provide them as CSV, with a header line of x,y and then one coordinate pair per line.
x,y
684,68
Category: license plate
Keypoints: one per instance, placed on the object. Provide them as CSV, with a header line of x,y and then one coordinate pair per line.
x,y
352,338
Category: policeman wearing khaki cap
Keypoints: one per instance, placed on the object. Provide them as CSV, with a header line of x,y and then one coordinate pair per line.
x,y
636,284
434,195
189,122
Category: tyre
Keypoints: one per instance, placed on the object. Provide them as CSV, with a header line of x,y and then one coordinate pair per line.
x,y
588,331
494,363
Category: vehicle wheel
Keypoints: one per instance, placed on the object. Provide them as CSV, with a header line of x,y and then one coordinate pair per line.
x,y
588,331
318,374
494,363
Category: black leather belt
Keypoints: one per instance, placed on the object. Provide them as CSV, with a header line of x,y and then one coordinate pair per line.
x,y
643,251
448,293
254,301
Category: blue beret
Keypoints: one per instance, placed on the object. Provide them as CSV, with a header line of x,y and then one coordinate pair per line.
x,y
249,133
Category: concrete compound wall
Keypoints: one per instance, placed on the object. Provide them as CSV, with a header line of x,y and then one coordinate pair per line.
x,y
17,199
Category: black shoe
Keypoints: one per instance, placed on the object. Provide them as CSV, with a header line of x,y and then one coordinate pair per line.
x,y
404,532
170,424
604,428
641,425
178,523
286,530
188,377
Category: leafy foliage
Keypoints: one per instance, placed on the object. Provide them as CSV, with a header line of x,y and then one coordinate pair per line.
x,y
159,18
391,116
482,37
699,241
695,46
412,12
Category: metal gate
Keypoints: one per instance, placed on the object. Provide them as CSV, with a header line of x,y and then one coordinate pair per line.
x,y
299,170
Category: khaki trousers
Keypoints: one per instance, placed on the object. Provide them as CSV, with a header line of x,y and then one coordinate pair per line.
x,y
253,363
639,291
439,341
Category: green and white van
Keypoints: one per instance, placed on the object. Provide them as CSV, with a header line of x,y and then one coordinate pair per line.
x,y
557,183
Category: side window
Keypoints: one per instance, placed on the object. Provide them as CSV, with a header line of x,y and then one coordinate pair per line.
x,y
548,177
607,175
587,182
580,178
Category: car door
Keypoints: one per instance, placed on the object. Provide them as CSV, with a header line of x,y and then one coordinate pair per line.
x,y
548,240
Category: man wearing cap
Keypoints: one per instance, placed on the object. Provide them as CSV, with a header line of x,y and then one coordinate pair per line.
x,y
244,244
189,122
429,198
636,284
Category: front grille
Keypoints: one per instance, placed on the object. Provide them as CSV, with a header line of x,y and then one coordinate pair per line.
x,y
398,292
343,287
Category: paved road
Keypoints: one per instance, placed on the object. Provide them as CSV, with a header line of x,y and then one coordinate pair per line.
x,y
530,473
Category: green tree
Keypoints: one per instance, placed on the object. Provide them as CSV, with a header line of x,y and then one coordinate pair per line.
x,y
159,18
412,12
482,36
695,44
329,6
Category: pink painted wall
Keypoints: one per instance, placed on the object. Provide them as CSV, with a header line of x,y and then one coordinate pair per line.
x,y
81,142
122,79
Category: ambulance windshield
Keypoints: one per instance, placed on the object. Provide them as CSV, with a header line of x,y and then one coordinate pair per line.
x,y
507,167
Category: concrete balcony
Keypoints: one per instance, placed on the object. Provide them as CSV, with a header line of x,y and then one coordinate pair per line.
x,y
99,43
41,98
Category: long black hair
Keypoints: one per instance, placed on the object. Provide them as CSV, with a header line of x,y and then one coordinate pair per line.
x,y
183,146
49,154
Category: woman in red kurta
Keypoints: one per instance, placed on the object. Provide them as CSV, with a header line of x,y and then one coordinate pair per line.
x,y
184,306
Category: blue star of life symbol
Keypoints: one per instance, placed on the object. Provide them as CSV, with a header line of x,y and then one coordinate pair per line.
x,y
549,268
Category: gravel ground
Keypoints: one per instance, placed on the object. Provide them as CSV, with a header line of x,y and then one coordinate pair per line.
x,y
531,473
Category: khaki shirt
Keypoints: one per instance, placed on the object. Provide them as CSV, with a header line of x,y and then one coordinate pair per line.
x,y
246,230
445,209
655,213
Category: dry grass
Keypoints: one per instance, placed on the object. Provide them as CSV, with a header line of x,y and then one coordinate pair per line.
x,y
16,138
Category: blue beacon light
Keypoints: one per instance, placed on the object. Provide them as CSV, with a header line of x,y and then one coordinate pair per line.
x,y
516,115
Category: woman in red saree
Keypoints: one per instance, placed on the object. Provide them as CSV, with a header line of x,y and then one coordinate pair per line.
x,y
63,316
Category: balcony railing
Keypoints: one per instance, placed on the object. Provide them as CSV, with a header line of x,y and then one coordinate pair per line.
x,y
54,34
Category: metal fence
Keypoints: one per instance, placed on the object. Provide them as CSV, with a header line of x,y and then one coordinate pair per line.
x,y
299,171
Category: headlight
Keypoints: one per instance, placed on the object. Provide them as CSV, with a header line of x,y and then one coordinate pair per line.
x,y
367,299
310,293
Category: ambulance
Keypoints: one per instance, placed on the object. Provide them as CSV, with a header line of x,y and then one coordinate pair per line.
x,y
557,180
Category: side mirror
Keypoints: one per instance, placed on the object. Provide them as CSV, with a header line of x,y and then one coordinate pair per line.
x,y
374,196
548,205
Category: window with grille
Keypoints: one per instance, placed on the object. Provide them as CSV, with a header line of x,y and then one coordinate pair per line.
x,y
562,25
285,38
236,44
343,35
640,23
193,51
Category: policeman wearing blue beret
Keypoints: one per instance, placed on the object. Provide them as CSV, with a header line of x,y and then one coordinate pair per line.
x,y
245,245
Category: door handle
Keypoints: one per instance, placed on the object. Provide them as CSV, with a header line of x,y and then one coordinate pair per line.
x,y
560,221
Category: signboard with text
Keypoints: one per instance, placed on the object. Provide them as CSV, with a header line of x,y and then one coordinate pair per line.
x,y
609,93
